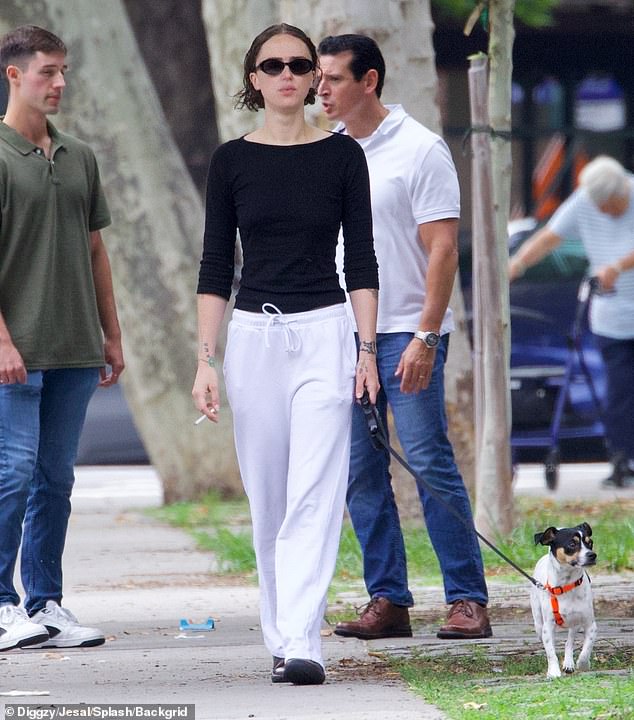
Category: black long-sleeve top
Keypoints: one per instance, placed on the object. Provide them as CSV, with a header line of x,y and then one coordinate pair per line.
x,y
289,203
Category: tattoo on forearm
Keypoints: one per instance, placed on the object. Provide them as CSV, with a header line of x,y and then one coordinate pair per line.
x,y
368,346
206,356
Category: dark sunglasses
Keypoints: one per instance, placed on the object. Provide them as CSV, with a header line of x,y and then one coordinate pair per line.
x,y
275,66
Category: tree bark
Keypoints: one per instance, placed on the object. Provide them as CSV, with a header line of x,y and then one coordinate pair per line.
x,y
494,498
154,242
501,38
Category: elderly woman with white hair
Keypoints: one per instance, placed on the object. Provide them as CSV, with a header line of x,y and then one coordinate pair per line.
x,y
601,213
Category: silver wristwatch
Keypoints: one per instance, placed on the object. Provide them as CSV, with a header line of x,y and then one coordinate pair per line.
x,y
431,339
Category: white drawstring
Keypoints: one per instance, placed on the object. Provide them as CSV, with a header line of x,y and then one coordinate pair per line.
x,y
291,336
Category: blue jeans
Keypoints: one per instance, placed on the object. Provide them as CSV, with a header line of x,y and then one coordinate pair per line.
x,y
40,425
618,414
421,424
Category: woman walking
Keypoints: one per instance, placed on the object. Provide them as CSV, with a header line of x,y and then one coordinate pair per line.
x,y
291,364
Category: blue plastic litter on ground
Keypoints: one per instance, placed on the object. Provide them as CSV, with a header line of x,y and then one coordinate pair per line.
x,y
206,626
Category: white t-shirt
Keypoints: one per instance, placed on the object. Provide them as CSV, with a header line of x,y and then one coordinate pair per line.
x,y
412,181
606,239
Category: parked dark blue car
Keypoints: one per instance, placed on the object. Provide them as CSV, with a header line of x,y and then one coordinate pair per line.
x,y
110,436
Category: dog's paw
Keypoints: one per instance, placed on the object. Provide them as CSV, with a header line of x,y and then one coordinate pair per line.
x,y
553,673
568,664
583,664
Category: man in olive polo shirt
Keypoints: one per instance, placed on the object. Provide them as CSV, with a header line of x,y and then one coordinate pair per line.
x,y
58,333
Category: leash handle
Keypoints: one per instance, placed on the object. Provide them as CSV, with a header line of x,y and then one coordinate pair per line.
x,y
371,418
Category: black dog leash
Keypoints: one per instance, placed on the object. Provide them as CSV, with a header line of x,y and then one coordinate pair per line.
x,y
379,440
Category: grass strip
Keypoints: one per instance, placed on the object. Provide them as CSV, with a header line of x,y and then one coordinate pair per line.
x,y
223,527
515,687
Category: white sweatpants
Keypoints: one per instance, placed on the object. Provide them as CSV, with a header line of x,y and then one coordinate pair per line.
x,y
290,383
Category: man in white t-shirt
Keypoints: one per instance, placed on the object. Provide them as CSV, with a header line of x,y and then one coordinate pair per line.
x,y
601,213
415,210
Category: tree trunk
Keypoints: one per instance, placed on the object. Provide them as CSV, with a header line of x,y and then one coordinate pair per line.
x,y
501,37
494,498
154,243
172,40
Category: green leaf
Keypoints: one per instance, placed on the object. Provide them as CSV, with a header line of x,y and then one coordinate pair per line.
x,y
535,13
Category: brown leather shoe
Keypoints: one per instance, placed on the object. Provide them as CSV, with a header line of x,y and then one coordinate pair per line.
x,y
379,619
466,621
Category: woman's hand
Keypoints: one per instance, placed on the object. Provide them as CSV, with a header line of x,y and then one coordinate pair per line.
x,y
211,310
367,376
365,305
205,392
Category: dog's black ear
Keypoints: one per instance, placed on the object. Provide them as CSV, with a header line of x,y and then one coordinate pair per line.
x,y
546,537
585,529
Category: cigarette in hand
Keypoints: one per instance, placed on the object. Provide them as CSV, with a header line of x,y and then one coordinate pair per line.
x,y
203,417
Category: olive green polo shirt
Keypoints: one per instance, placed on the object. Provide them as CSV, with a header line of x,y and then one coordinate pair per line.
x,y
47,211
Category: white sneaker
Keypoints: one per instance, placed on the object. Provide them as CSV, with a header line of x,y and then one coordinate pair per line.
x,y
17,630
64,630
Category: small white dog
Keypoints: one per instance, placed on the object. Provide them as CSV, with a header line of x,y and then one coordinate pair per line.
x,y
566,600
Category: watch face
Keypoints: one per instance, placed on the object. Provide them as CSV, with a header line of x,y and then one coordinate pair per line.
x,y
431,339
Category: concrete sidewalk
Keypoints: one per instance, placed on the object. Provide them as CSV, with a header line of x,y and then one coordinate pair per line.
x,y
577,481
136,578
